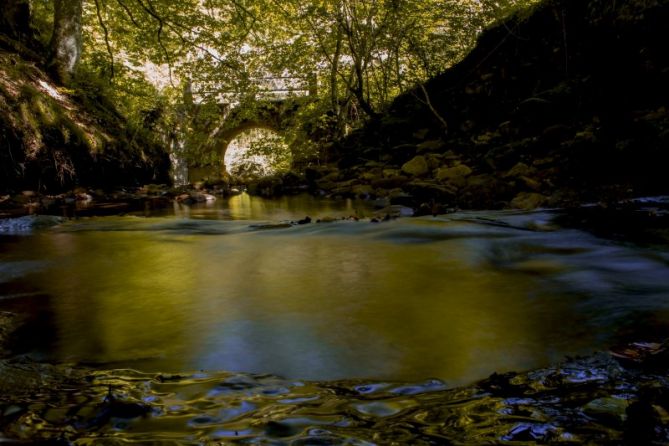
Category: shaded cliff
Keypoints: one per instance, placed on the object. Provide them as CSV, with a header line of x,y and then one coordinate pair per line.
x,y
53,139
565,103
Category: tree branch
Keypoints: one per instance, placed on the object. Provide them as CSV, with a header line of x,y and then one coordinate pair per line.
x,y
127,11
103,25
429,105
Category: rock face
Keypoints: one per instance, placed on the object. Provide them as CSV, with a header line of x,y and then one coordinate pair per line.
x,y
569,103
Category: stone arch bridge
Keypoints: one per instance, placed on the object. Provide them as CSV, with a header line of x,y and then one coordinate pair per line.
x,y
274,107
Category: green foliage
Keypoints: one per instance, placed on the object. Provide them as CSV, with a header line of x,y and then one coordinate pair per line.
x,y
141,53
267,153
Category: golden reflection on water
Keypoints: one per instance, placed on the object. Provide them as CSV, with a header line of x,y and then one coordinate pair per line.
x,y
304,305
246,207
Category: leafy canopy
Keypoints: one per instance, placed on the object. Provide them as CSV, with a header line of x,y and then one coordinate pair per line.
x,y
360,54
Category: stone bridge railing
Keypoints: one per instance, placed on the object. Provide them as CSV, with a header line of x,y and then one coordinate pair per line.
x,y
266,89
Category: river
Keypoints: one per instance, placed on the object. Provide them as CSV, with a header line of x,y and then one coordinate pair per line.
x,y
228,288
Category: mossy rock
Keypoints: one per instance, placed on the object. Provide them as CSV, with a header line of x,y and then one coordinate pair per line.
x,y
528,200
431,146
455,175
416,167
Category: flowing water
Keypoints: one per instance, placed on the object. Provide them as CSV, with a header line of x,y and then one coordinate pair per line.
x,y
230,291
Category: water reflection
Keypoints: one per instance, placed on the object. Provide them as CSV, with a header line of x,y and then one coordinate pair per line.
x,y
449,298
247,207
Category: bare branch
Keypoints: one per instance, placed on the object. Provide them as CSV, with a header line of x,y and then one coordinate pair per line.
x,y
429,105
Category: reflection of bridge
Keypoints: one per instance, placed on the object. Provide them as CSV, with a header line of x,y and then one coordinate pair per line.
x,y
268,103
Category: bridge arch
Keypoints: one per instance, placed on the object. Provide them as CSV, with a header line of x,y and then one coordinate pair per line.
x,y
273,116
254,149
224,137
276,116
273,106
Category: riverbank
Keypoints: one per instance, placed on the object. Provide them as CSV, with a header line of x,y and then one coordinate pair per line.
x,y
561,106
56,139
643,220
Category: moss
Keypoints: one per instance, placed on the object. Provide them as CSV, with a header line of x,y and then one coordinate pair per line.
x,y
52,140
45,111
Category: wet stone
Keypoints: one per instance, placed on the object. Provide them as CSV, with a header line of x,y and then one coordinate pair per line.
x,y
378,408
280,429
371,388
532,432
607,409
428,386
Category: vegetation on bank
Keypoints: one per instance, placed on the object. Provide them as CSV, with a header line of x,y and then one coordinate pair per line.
x,y
55,139
561,103
59,131
166,69
563,106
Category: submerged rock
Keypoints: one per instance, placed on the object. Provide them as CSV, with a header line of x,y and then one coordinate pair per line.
x,y
607,409
268,226
591,400
27,224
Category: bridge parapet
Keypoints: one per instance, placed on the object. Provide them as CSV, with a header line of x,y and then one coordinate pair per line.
x,y
266,89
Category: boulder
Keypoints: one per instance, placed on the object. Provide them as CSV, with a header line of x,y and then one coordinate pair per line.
x,y
485,190
371,175
433,145
416,167
421,133
528,200
428,190
401,153
455,175
433,160
362,190
519,170
530,183
390,182
607,409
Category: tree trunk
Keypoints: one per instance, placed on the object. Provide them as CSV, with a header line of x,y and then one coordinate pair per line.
x,y
334,88
66,41
15,19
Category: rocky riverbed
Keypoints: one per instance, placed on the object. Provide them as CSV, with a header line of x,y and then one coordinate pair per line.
x,y
590,400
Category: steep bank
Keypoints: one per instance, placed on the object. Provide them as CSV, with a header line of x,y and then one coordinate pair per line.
x,y
562,105
54,139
